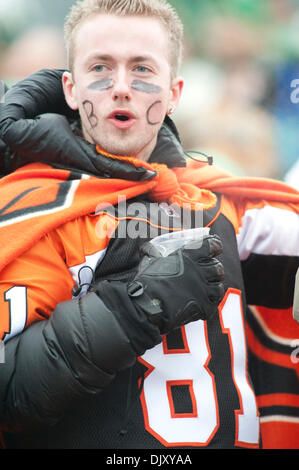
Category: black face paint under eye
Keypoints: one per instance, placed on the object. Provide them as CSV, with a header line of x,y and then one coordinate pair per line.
x,y
145,87
101,85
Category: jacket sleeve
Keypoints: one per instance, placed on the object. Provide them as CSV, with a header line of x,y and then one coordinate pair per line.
x,y
35,124
56,349
36,94
59,348
55,362
268,242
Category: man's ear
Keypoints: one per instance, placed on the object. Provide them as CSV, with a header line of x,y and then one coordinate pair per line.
x,y
69,90
175,94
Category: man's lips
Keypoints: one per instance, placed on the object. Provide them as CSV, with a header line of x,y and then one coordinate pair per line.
x,y
122,119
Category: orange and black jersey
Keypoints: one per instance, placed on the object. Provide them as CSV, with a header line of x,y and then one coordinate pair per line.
x,y
274,367
193,389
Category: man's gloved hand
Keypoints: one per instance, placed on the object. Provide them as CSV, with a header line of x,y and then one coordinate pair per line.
x,y
166,293
185,286
49,138
39,93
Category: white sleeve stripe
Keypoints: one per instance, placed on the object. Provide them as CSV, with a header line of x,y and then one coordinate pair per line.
x,y
279,418
269,231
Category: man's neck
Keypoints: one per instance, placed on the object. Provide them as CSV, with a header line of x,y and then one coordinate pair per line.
x,y
142,155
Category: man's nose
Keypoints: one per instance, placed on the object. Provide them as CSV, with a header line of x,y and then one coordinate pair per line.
x,y
122,88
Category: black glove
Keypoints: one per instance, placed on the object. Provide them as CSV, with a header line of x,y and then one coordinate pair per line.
x,y
49,138
167,292
187,284
39,93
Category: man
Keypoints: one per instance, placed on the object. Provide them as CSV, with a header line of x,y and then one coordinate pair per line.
x,y
96,372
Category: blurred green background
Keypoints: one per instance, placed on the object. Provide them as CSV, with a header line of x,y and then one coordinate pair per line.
x,y
240,67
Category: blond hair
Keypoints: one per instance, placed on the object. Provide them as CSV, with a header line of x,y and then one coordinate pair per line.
x,y
159,9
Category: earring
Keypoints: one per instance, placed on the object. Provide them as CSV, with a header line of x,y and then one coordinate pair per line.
x,y
170,111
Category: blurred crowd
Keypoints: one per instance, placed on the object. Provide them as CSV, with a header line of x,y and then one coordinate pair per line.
x,y
240,68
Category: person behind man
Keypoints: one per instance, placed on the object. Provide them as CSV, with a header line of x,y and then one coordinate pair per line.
x,y
136,353
272,335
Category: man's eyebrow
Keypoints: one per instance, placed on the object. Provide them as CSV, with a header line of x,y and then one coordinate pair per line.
x,y
110,58
141,58
145,59
98,57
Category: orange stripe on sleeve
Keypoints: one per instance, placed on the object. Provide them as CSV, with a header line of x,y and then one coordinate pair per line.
x,y
280,435
278,399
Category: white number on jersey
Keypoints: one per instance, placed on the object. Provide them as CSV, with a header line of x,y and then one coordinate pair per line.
x,y
189,367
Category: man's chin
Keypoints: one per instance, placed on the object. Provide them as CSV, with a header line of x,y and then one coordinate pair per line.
x,y
127,147
113,147
118,149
